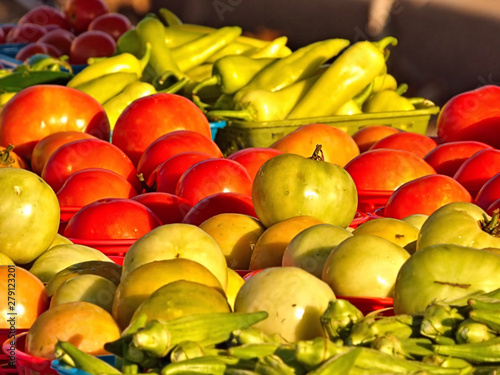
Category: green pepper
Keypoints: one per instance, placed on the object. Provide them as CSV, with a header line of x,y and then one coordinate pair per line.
x,y
162,62
104,88
301,64
134,90
198,51
275,48
130,42
233,72
348,75
261,105
18,80
123,62
384,82
386,101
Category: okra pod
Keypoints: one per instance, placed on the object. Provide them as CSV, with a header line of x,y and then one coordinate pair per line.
x,y
489,317
252,335
476,352
253,350
74,357
339,317
273,365
440,319
201,365
486,303
340,364
312,353
157,338
409,348
191,349
471,331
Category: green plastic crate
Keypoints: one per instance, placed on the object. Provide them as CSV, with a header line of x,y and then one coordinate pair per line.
x,y
237,135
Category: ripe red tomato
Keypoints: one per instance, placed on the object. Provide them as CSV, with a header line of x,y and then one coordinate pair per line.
x,y
37,48
80,13
89,44
478,169
171,144
419,144
114,24
367,136
252,158
91,184
27,291
385,169
47,145
489,192
219,203
424,195
168,207
165,177
59,38
114,218
87,153
213,176
446,158
40,110
165,113
25,33
471,116
45,15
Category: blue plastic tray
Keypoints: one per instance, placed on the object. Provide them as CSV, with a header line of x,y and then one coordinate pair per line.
x,y
215,126
67,370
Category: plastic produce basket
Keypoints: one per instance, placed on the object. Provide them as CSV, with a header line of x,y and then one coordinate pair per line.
x,y
5,365
63,369
243,134
27,364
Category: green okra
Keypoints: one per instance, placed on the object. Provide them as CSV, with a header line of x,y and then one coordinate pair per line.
x,y
401,326
273,365
253,350
339,364
200,365
312,353
482,302
449,362
252,335
69,354
191,349
440,320
489,317
409,348
477,352
158,338
469,331
338,318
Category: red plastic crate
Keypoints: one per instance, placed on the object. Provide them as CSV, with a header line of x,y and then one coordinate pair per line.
x,y
27,364
370,200
368,304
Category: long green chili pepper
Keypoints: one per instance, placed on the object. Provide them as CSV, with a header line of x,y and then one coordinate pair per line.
x,y
194,53
104,88
348,74
19,80
275,48
161,62
261,105
301,64
231,73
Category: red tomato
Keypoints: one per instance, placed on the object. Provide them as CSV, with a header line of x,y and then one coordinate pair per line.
x,y
80,13
219,203
165,113
471,116
367,136
419,144
424,195
40,110
446,158
59,38
25,33
114,218
478,169
165,177
213,176
89,44
494,206
386,169
252,158
28,293
89,185
35,48
489,192
47,145
168,207
114,24
45,15
87,153
171,144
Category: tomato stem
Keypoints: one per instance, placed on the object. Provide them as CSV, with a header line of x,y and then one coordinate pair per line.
x,y
144,184
492,226
5,157
318,154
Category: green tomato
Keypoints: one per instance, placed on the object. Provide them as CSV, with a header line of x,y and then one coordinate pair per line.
x,y
444,272
290,185
416,220
364,265
310,248
459,223
29,215
293,298
397,231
